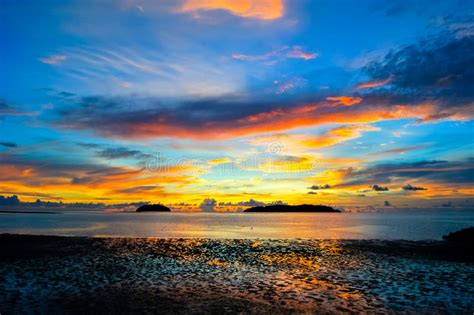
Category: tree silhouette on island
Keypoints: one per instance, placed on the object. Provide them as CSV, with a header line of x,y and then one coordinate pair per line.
x,y
153,208
208,206
288,208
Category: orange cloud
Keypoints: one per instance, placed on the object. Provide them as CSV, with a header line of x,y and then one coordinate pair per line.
x,y
285,164
257,9
295,142
282,118
371,84
332,177
297,52
345,100
276,120
32,180
217,161
331,162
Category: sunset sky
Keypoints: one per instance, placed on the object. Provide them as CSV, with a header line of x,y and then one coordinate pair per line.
x,y
349,103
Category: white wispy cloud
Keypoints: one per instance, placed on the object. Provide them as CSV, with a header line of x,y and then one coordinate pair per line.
x,y
53,59
152,73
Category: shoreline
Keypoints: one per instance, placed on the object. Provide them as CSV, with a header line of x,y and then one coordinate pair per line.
x,y
56,274
29,212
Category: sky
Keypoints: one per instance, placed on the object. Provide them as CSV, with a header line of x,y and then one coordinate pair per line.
x,y
175,102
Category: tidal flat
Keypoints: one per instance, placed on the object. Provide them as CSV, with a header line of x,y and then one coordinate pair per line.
x,y
72,275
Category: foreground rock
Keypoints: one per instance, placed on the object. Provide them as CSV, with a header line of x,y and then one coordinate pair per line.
x,y
153,208
287,208
462,236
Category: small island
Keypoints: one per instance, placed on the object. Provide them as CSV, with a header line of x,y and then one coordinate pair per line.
x,y
461,236
287,208
153,208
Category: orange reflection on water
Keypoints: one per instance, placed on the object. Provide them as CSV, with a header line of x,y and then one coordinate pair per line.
x,y
330,247
349,296
294,259
218,263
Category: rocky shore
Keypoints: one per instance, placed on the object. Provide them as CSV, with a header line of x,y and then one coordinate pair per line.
x,y
46,274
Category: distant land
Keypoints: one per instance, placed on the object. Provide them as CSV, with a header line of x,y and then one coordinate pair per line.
x,y
153,208
464,235
287,208
29,212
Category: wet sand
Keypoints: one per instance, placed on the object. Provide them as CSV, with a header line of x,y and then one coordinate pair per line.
x,y
55,275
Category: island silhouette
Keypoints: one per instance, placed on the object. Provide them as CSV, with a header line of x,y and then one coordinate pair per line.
x,y
288,208
461,236
153,208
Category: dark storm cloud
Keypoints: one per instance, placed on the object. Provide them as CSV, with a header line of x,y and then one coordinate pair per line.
x,y
413,188
64,94
379,188
125,110
44,167
30,194
317,187
137,189
226,107
8,144
42,170
5,108
153,116
120,152
101,175
89,145
107,152
459,172
437,69
459,26
454,172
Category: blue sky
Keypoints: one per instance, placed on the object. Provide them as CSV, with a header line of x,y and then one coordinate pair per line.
x,y
177,101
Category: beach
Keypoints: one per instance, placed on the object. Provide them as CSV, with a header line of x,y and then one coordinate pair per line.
x,y
50,274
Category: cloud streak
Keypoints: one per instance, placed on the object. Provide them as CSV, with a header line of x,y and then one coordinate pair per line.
x,y
53,59
434,71
345,100
373,84
379,188
399,150
319,187
296,142
121,153
266,10
409,187
274,56
455,173
8,144
229,117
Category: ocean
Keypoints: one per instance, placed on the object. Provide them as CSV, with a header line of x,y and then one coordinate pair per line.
x,y
406,225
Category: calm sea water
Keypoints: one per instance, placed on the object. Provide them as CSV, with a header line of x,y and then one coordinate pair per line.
x,y
410,226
